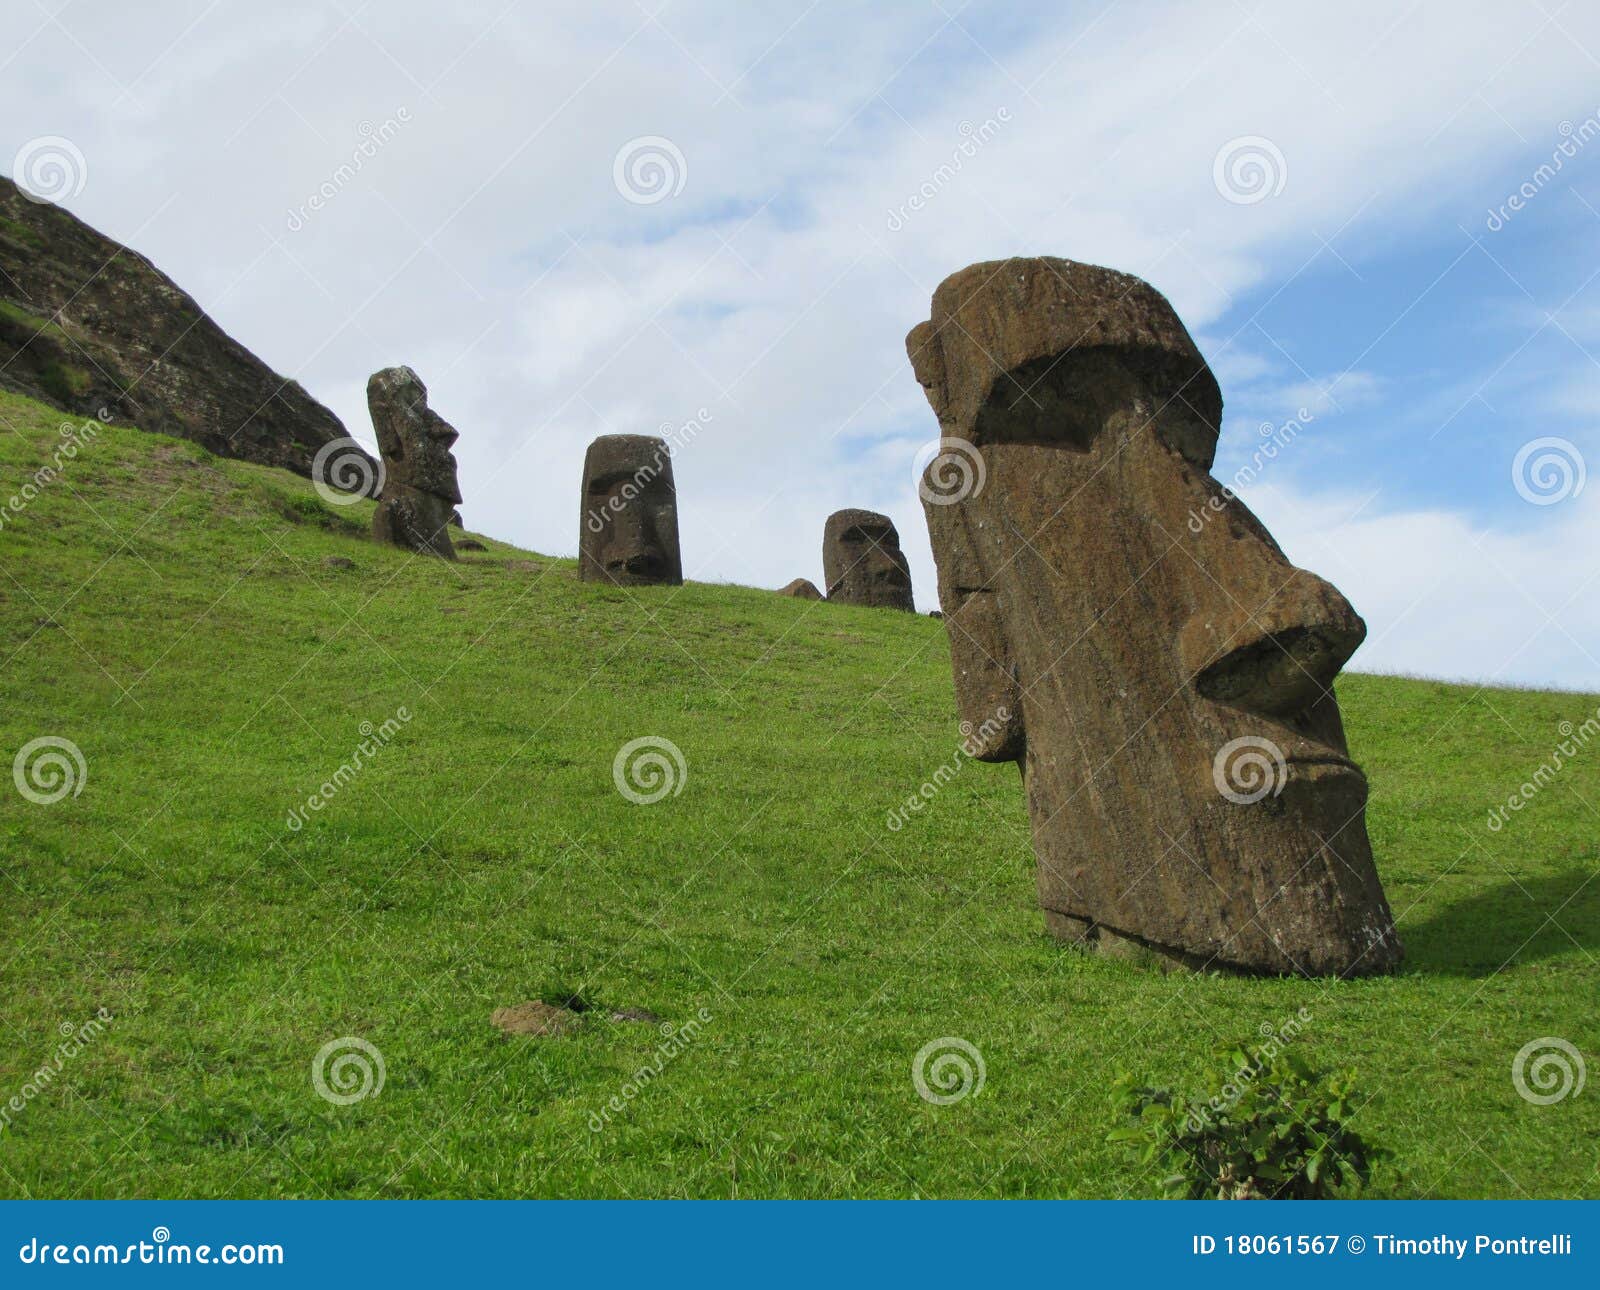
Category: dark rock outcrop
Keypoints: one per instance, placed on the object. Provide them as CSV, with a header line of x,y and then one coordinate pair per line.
x,y
95,329
1125,628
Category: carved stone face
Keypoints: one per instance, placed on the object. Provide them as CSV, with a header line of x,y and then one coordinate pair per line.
x,y
420,490
862,562
628,534
1164,670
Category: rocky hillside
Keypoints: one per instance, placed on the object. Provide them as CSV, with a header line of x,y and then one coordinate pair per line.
x,y
95,329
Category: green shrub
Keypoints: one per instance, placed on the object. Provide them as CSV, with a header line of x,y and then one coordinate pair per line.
x,y
1267,1127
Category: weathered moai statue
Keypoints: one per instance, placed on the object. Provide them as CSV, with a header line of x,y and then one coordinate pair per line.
x,y
628,534
1122,626
862,562
420,492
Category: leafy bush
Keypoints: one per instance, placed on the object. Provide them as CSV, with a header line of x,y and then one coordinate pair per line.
x,y
1268,1128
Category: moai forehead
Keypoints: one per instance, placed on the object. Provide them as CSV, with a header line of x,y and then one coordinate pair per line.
x,y
630,454
1004,352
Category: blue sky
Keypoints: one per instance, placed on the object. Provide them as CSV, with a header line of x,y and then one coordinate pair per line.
x,y
488,241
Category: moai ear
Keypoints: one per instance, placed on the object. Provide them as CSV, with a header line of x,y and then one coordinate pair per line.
x,y
988,691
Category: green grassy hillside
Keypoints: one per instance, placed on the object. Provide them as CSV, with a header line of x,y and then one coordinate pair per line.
x,y
177,618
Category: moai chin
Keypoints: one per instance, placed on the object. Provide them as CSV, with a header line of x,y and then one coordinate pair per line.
x,y
420,493
1126,630
862,563
628,530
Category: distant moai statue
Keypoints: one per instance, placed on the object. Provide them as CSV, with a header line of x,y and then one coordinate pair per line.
x,y
801,589
420,493
1125,628
628,534
862,562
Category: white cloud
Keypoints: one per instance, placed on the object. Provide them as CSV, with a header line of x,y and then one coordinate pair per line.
x,y
1444,596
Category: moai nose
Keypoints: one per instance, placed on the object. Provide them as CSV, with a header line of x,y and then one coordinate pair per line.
x,y
1278,657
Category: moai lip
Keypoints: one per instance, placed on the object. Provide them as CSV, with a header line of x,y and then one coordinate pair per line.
x,y
1123,627
862,563
420,492
628,528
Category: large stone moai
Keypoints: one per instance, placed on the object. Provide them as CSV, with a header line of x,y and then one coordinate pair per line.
x,y
628,534
420,493
1125,628
862,563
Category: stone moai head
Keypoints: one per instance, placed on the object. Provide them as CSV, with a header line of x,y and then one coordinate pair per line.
x,y
1122,626
862,563
629,529
420,493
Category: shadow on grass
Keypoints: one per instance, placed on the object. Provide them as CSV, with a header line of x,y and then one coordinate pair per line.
x,y
1526,920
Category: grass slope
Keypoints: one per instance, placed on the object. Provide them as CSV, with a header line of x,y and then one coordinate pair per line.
x,y
173,615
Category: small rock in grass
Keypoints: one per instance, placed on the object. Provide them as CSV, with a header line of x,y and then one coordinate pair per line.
x,y
534,1018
